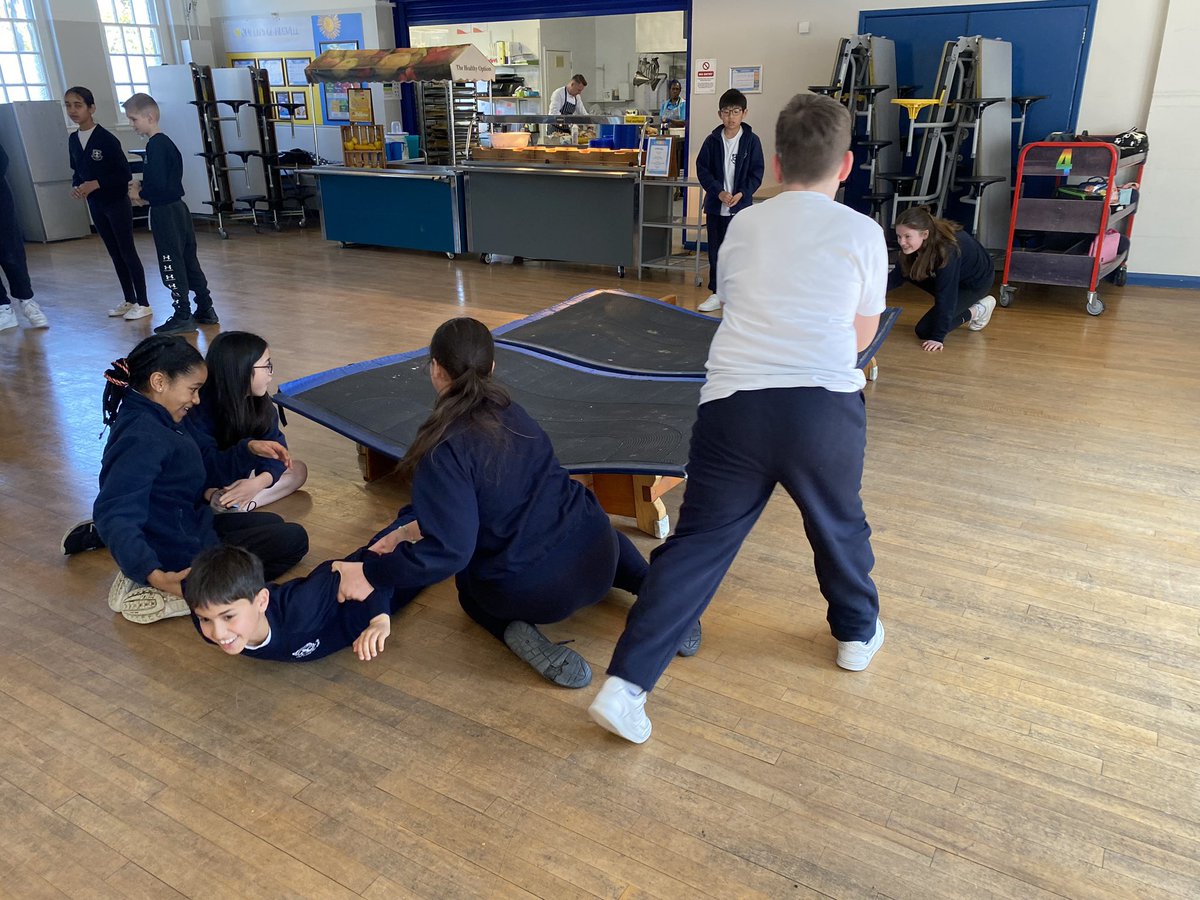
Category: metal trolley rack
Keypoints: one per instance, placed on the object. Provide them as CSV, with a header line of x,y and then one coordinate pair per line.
x,y
656,213
1075,259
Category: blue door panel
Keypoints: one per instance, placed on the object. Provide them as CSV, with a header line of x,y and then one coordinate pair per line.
x,y
1047,48
919,39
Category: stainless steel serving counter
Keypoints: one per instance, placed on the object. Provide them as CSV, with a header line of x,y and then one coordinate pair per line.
x,y
584,214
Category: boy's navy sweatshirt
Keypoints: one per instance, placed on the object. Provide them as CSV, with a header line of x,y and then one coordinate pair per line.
x,y
971,267
747,169
150,510
162,178
307,622
225,465
492,511
102,160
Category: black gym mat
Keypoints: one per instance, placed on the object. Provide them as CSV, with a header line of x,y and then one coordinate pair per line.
x,y
597,421
619,332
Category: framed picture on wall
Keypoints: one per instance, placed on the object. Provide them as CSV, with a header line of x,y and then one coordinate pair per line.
x,y
283,102
338,45
334,97
274,67
242,63
294,69
300,98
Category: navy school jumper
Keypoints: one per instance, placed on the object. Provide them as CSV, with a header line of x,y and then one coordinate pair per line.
x,y
151,510
966,278
307,622
225,465
103,160
710,171
525,541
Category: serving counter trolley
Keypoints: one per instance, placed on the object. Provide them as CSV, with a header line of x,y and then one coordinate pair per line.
x,y
569,204
1080,234
411,205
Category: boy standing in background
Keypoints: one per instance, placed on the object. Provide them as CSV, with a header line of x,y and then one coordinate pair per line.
x,y
730,167
161,189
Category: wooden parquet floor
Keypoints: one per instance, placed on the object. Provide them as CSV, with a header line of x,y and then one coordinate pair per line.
x,y
1030,728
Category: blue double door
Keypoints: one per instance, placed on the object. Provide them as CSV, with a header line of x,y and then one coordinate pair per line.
x,y
1049,50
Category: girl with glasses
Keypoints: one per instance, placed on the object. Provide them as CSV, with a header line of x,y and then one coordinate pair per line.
x,y
235,421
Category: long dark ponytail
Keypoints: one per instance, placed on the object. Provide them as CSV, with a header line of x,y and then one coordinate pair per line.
x,y
236,415
941,243
166,353
465,349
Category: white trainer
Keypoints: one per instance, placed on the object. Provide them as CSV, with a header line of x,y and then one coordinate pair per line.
x,y
856,655
118,311
712,304
8,318
136,312
33,312
620,711
986,307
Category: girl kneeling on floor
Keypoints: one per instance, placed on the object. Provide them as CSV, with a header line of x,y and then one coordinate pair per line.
x,y
493,507
151,511
233,419
941,259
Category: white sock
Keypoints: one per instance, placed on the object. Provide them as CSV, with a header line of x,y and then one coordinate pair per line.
x,y
632,689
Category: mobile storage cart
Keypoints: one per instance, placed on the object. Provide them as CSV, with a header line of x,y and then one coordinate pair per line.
x,y
1081,262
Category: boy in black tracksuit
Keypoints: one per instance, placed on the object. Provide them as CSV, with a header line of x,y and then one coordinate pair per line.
x,y
732,149
171,222
102,176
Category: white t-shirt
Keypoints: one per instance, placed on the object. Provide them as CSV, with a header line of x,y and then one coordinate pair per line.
x,y
84,136
731,152
794,273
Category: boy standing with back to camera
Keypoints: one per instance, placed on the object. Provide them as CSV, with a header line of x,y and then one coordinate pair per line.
x,y
161,188
803,280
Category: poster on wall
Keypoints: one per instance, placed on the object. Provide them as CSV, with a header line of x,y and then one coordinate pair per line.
x,y
337,31
243,63
295,70
361,109
747,79
274,67
300,99
704,80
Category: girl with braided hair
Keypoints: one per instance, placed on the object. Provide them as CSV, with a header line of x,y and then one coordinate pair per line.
x,y
494,508
151,511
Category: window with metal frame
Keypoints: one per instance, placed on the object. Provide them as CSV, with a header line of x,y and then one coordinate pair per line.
x,y
22,68
132,39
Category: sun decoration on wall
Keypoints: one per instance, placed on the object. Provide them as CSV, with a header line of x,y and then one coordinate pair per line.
x,y
330,26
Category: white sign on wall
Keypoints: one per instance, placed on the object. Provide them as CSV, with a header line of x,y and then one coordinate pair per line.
x,y
250,34
704,80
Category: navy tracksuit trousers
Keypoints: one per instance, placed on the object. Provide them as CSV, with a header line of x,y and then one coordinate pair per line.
x,y
811,441
578,573
114,224
12,250
175,243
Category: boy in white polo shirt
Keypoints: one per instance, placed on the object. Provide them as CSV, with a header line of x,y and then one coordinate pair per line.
x,y
803,280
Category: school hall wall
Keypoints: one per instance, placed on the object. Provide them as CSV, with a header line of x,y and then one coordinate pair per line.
x,y
1123,63
1167,230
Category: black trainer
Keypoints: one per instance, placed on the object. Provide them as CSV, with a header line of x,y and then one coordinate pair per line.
x,y
554,662
179,323
81,537
207,316
690,645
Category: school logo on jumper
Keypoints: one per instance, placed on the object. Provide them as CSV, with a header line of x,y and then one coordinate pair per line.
x,y
97,155
307,649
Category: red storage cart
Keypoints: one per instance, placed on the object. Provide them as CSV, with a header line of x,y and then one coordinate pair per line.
x,y
1094,253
